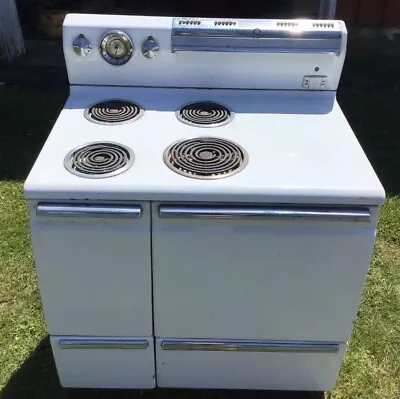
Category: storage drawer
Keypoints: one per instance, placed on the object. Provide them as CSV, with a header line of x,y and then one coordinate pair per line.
x,y
89,362
248,364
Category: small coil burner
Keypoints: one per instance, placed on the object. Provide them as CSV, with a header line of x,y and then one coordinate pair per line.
x,y
99,160
205,158
113,112
204,114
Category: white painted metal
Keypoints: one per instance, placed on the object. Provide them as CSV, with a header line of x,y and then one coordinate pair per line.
x,y
104,368
94,274
238,370
259,279
301,150
287,276
189,69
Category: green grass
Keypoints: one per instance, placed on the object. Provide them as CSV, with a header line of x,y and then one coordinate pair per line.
x,y
372,366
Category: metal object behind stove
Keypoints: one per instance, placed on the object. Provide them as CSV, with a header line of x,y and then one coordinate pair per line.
x,y
327,9
114,112
255,36
206,158
99,160
204,114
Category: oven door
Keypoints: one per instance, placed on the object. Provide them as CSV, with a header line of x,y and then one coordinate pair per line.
x,y
259,272
94,269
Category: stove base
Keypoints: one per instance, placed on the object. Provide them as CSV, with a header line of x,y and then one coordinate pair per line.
x,y
247,370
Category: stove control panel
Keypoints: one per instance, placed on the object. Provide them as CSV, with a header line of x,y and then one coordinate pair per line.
x,y
146,51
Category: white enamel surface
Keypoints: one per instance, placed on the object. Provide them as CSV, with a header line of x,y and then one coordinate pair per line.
x,y
238,370
187,69
243,279
94,274
301,149
270,279
104,368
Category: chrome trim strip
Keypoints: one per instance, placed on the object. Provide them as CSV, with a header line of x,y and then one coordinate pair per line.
x,y
89,211
248,49
256,35
249,346
220,212
76,343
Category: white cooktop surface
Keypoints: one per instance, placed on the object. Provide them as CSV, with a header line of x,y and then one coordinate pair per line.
x,y
300,147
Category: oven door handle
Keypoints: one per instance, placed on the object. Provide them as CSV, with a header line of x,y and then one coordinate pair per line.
x,y
89,210
249,346
220,212
91,343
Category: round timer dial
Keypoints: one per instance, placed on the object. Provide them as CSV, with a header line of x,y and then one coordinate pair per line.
x,y
116,48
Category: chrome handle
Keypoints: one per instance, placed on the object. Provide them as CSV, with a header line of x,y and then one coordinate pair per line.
x,y
89,211
249,346
76,343
218,212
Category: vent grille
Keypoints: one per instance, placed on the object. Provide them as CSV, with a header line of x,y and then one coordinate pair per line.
x,y
113,112
287,24
330,25
205,158
204,114
225,23
99,160
189,22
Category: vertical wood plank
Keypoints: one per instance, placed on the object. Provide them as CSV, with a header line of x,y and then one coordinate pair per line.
x,y
347,11
392,14
371,13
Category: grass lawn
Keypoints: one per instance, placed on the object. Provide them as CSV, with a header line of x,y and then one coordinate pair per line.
x,y
370,99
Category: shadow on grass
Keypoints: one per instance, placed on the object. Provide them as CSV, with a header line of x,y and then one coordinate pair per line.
x,y
37,378
29,106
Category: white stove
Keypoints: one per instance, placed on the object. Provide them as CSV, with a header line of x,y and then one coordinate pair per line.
x,y
202,214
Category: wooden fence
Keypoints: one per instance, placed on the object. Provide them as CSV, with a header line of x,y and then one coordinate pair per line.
x,y
369,13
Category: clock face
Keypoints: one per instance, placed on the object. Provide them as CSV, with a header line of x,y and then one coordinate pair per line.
x,y
116,48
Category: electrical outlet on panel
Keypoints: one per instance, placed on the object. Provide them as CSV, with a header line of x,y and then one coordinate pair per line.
x,y
314,82
306,82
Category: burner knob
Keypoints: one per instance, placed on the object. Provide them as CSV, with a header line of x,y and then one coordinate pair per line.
x,y
150,47
81,46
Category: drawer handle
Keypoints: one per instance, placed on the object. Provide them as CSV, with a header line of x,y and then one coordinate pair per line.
x,y
88,211
333,214
75,343
250,346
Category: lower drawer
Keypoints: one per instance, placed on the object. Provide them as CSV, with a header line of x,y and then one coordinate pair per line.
x,y
247,364
90,362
